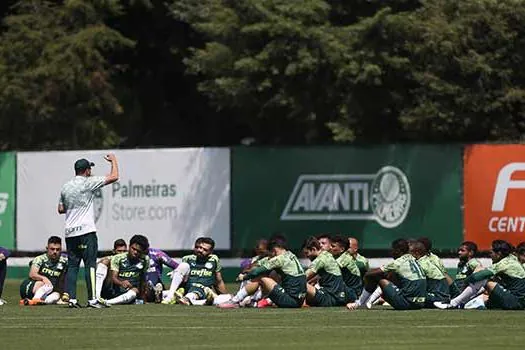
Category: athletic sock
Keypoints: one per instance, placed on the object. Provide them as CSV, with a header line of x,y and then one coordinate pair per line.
x,y
125,298
241,294
365,295
102,272
52,298
375,295
468,293
42,292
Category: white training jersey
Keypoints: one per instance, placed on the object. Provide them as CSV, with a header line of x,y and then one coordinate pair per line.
x,y
77,196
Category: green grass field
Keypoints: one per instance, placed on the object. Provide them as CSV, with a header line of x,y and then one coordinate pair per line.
x,y
180,327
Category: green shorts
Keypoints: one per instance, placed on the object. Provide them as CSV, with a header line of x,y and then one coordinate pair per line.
x,y
502,298
282,299
324,299
392,294
197,289
26,289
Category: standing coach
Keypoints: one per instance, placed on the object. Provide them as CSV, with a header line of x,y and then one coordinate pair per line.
x,y
76,201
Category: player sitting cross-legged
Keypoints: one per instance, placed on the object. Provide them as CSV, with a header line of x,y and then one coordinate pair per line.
x,y
408,293
155,287
289,293
198,274
46,276
102,278
332,290
128,273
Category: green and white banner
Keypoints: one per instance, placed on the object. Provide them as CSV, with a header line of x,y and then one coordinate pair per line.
x,y
172,196
7,199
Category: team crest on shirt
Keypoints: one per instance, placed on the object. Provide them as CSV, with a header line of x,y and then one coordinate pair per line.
x,y
60,266
98,204
208,265
140,265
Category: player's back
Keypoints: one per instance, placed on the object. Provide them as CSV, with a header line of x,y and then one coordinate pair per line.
x,y
77,196
511,274
293,278
436,278
411,277
350,272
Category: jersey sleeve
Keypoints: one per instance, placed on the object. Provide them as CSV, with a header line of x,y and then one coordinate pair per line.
x,y
115,261
391,267
96,182
317,265
474,263
61,199
38,261
273,263
167,260
218,267
147,261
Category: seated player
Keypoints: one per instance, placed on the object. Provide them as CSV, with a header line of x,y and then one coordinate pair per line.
x,y
46,276
437,285
520,253
349,269
504,281
410,291
103,279
326,241
291,291
361,262
260,255
332,290
200,273
4,254
154,286
128,274
467,265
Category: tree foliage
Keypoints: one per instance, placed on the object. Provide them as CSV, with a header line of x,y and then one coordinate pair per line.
x,y
136,73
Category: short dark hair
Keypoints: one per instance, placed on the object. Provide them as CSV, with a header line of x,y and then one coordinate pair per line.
x,y
471,246
342,241
401,245
502,247
205,240
278,237
311,243
54,240
119,243
141,240
426,242
324,235
520,248
277,243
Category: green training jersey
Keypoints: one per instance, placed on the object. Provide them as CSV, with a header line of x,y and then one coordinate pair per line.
x,y
52,269
133,271
434,271
362,264
351,273
293,278
330,277
465,269
511,274
202,271
412,280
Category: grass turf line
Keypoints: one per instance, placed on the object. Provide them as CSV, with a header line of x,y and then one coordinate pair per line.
x,y
153,326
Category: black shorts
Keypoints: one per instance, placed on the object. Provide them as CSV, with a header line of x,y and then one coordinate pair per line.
x,y
282,299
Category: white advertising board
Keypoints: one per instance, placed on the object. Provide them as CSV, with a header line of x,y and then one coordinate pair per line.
x,y
172,196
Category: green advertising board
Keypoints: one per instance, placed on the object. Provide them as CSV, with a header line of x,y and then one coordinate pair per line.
x,y
7,199
376,194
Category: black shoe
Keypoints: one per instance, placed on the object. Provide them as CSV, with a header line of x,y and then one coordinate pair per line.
x,y
74,305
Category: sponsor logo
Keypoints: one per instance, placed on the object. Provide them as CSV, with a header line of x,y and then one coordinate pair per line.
x,y
505,183
383,197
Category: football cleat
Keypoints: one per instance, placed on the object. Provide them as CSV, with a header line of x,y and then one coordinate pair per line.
x,y
158,292
181,299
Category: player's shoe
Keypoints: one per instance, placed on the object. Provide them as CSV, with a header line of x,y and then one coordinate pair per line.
x,y
31,302
2,302
73,304
444,306
210,295
171,301
228,305
265,302
181,299
158,292
99,303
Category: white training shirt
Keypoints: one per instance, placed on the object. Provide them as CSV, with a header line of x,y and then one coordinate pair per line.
x,y
77,196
